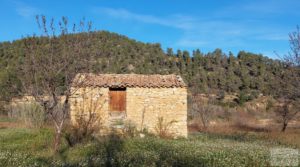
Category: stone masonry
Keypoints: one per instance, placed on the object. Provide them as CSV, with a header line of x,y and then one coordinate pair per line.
x,y
143,107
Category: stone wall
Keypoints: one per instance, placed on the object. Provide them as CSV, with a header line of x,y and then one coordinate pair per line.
x,y
144,106
86,101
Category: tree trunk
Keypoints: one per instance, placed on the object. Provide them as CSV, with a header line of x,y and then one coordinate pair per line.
x,y
284,126
57,140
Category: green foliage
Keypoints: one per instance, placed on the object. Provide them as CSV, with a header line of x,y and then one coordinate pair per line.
x,y
270,104
243,97
221,95
9,84
113,53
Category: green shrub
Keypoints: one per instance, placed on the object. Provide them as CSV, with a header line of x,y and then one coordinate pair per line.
x,y
221,95
137,158
244,97
269,105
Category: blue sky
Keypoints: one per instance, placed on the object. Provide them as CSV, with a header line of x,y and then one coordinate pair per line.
x,y
259,26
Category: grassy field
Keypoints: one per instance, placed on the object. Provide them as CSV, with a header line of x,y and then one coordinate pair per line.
x,y
31,147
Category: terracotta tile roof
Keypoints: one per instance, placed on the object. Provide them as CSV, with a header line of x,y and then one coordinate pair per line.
x,y
127,80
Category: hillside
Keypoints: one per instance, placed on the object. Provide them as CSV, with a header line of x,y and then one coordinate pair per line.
x,y
214,72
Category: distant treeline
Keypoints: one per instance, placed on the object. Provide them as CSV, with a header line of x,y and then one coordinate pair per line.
x,y
215,71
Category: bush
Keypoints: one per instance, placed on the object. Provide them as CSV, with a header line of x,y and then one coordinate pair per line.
x,y
84,129
244,97
162,128
254,94
221,95
129,129
270,104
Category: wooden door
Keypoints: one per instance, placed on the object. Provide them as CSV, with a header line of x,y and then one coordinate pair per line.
x,y
117,99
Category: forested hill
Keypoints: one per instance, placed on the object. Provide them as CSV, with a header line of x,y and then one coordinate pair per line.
x,y
204,72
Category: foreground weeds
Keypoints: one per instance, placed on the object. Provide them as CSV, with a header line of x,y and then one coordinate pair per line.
x,y
24,147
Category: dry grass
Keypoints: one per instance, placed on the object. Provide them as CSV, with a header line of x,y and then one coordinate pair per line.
x,y
254,120
162,128
268,133
291,137
6,122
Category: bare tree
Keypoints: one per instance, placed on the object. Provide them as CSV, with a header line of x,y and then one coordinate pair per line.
x,y
203,110
287,111
289,100
292,60
50,63
293,57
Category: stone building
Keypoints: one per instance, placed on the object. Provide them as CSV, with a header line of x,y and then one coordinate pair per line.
x,y
139,100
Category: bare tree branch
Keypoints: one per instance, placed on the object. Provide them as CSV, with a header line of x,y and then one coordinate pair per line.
x,y
50,64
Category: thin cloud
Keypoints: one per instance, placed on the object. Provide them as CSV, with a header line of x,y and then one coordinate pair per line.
x,y
25,10
190,43
274,37
174,21
258,9
270,6
209,31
